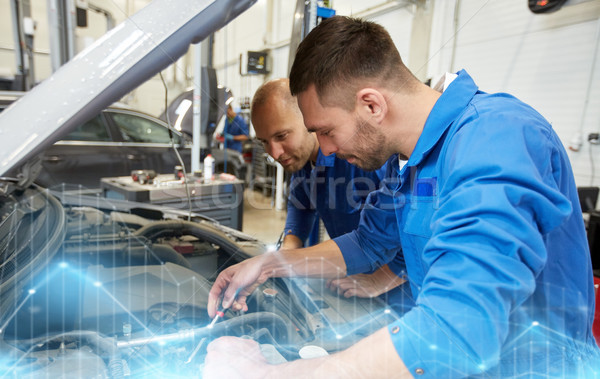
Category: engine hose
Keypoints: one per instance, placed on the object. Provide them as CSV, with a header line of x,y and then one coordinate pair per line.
x,y
225,327
177,227
158,253
255,319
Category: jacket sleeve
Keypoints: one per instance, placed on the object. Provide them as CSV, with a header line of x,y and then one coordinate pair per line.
x,y
376,240
239,126
301,215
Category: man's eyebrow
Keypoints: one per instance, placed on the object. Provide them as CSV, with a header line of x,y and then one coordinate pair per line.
x,y
279,133
274,135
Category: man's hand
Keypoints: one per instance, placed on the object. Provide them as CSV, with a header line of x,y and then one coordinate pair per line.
x,y
229,137
366,285
232,357
235,283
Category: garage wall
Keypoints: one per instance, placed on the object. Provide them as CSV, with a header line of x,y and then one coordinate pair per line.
x,y
149,97
41,45
120,10
249,32
545,60
268,26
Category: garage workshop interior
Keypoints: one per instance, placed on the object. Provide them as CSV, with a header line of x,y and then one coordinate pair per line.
x,y
277,188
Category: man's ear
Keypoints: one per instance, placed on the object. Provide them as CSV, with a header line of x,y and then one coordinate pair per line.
x,y
371,105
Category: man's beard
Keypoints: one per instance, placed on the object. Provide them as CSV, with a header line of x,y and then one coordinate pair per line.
x,y
295,165
300,157
369,150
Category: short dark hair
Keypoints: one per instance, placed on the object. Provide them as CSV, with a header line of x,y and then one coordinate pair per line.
x,y
343,52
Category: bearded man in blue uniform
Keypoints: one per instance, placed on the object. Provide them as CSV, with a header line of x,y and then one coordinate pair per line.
x,y
487,216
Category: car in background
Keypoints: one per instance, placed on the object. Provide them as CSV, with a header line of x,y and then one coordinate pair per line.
x,y
116,142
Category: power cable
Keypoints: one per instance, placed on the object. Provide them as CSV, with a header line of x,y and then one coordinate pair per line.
x,y
185,179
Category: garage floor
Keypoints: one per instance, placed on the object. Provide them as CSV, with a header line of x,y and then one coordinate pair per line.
x,y
261,219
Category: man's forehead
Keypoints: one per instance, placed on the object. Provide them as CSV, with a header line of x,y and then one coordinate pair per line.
x,y
308,97
269,129
275,123
308,102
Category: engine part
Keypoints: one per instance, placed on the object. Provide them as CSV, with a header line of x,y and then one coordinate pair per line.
x,y
113,296
79,363
254,321
312,351
143,176
178,227
30,235
59,360
156,254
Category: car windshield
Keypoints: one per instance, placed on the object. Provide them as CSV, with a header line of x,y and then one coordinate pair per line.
x,y
138,129
93,130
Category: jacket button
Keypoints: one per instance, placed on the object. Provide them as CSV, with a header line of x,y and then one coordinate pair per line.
x,y
395,329
419,371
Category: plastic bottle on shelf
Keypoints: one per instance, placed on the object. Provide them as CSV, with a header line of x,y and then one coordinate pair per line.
x,y
209,167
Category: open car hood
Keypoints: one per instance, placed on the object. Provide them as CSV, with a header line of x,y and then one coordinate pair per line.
x,y
125,57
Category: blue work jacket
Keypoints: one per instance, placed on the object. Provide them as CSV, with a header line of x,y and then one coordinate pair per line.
x,y
494,243
336,191
333,190
235,127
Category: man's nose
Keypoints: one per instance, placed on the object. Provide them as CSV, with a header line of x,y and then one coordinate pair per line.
x,y
327,147
275,150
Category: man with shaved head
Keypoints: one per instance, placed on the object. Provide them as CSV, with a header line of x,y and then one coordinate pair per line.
x,y
324,187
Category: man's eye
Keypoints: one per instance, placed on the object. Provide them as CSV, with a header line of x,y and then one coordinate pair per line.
x,y
326,133
281,136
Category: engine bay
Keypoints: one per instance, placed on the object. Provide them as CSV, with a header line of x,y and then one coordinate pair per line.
x,y
103,292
